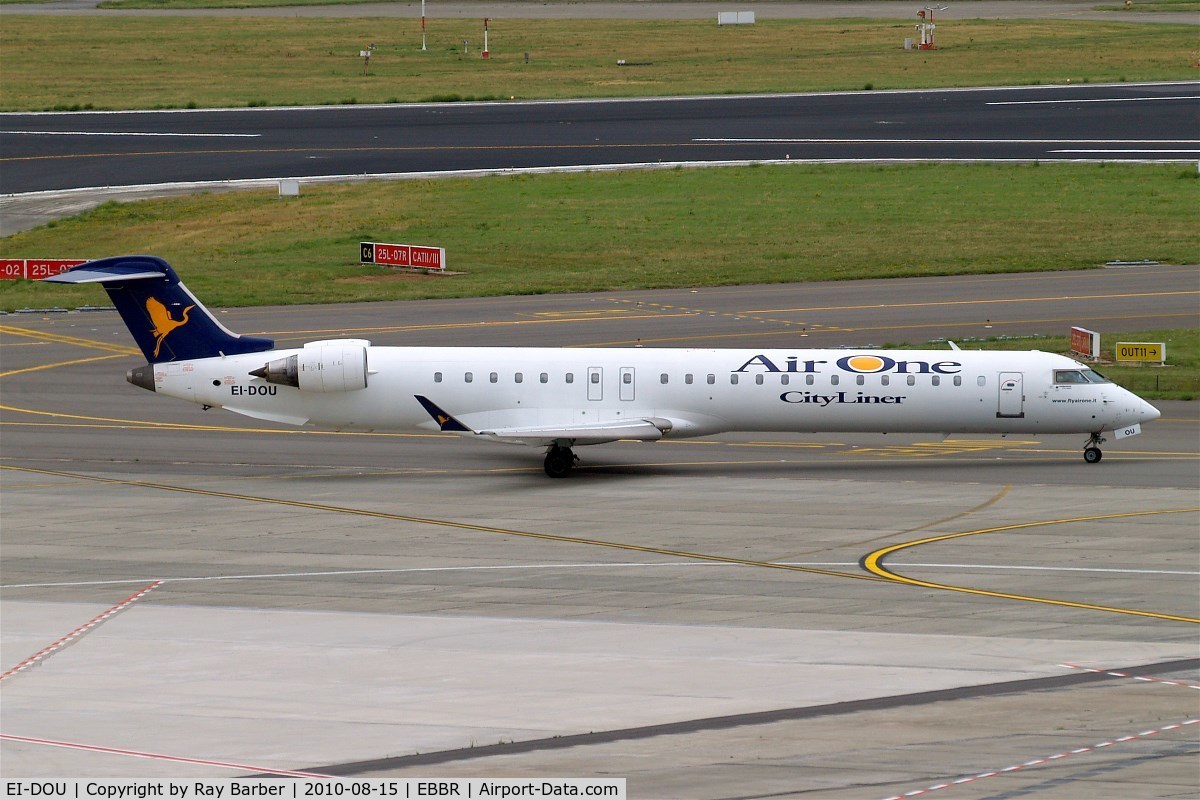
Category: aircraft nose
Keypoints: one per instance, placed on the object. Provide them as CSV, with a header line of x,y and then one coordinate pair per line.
x,y
1147,412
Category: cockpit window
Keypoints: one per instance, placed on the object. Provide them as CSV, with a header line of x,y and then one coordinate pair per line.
x,y
1069,376
1084,375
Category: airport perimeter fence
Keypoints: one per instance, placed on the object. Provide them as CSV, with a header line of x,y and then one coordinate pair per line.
x,y
1143,380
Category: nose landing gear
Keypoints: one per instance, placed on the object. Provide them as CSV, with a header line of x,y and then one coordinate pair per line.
x,y
559,461
1091,451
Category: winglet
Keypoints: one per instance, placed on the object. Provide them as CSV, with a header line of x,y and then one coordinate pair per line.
x,y
444,420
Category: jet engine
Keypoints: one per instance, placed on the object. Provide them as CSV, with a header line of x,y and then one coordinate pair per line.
x,y
319,367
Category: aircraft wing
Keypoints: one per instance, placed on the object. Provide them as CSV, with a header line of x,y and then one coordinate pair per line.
x,y
647,429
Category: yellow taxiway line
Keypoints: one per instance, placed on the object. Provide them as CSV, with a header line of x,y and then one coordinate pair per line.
x,y
873,563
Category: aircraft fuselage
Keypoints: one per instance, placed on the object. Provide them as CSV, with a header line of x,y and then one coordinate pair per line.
x,y
700,391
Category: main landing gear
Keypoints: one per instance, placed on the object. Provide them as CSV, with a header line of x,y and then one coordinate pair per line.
x,y
1091,451
559,461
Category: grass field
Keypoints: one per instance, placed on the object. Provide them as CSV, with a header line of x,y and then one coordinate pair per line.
x,y
597,231
65,62
183,4
1139,5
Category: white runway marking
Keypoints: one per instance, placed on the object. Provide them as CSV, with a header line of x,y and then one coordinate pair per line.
x,y
953,141
1095,100
608,565
1126,150
602,100
134,133
1060,569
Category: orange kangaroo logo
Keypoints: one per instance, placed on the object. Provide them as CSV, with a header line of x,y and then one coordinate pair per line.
x,y
163,324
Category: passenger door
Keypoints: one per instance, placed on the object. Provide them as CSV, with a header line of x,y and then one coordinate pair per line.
x,y
1011,402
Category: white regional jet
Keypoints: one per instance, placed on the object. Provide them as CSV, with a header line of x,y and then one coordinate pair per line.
x,y
558,398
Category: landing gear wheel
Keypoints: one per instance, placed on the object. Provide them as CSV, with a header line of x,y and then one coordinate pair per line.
x,y
559,461
1091,450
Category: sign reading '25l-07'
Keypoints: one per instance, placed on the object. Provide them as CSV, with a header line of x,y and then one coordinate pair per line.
x,y
412,256
32,269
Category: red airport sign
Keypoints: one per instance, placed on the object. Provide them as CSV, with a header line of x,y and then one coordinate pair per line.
x,y
15,269
1085,342
411,256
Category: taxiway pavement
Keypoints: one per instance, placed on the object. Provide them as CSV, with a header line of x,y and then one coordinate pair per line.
x,y
692,615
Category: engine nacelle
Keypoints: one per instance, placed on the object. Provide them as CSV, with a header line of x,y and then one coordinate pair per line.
x,y
320,368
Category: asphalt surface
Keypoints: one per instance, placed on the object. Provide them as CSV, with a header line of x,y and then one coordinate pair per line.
x,y
344,603
1121,122
55,165
695,616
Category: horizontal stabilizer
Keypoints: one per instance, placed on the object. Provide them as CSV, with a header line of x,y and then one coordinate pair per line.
x,y
109,274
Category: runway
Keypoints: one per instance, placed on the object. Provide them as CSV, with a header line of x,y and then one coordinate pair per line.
x,y
113,149
745,616
56,165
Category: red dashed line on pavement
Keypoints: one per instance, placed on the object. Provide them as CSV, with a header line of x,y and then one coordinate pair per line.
x,y
1079,751
1144,678
159,756
1048,759
82,630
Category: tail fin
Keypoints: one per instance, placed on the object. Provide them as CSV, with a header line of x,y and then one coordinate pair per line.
x,y
166,319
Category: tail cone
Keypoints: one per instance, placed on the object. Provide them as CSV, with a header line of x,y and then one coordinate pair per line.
x,y
142,376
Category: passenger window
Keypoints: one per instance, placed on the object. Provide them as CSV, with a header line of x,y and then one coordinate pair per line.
x,y
758,379
570,377
595,377
912,380
784,379
937,380
688,379
493,377
712,379
958,380
860,379
733,378
544,378
981,380
468,377
833,380
518,378
884,380
437,377
663,379
627,378
809,380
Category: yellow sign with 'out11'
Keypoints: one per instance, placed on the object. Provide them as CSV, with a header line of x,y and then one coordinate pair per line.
x,y
1141,351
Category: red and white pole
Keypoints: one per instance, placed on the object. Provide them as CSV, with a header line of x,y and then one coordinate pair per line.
x,y
485,44
423,25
